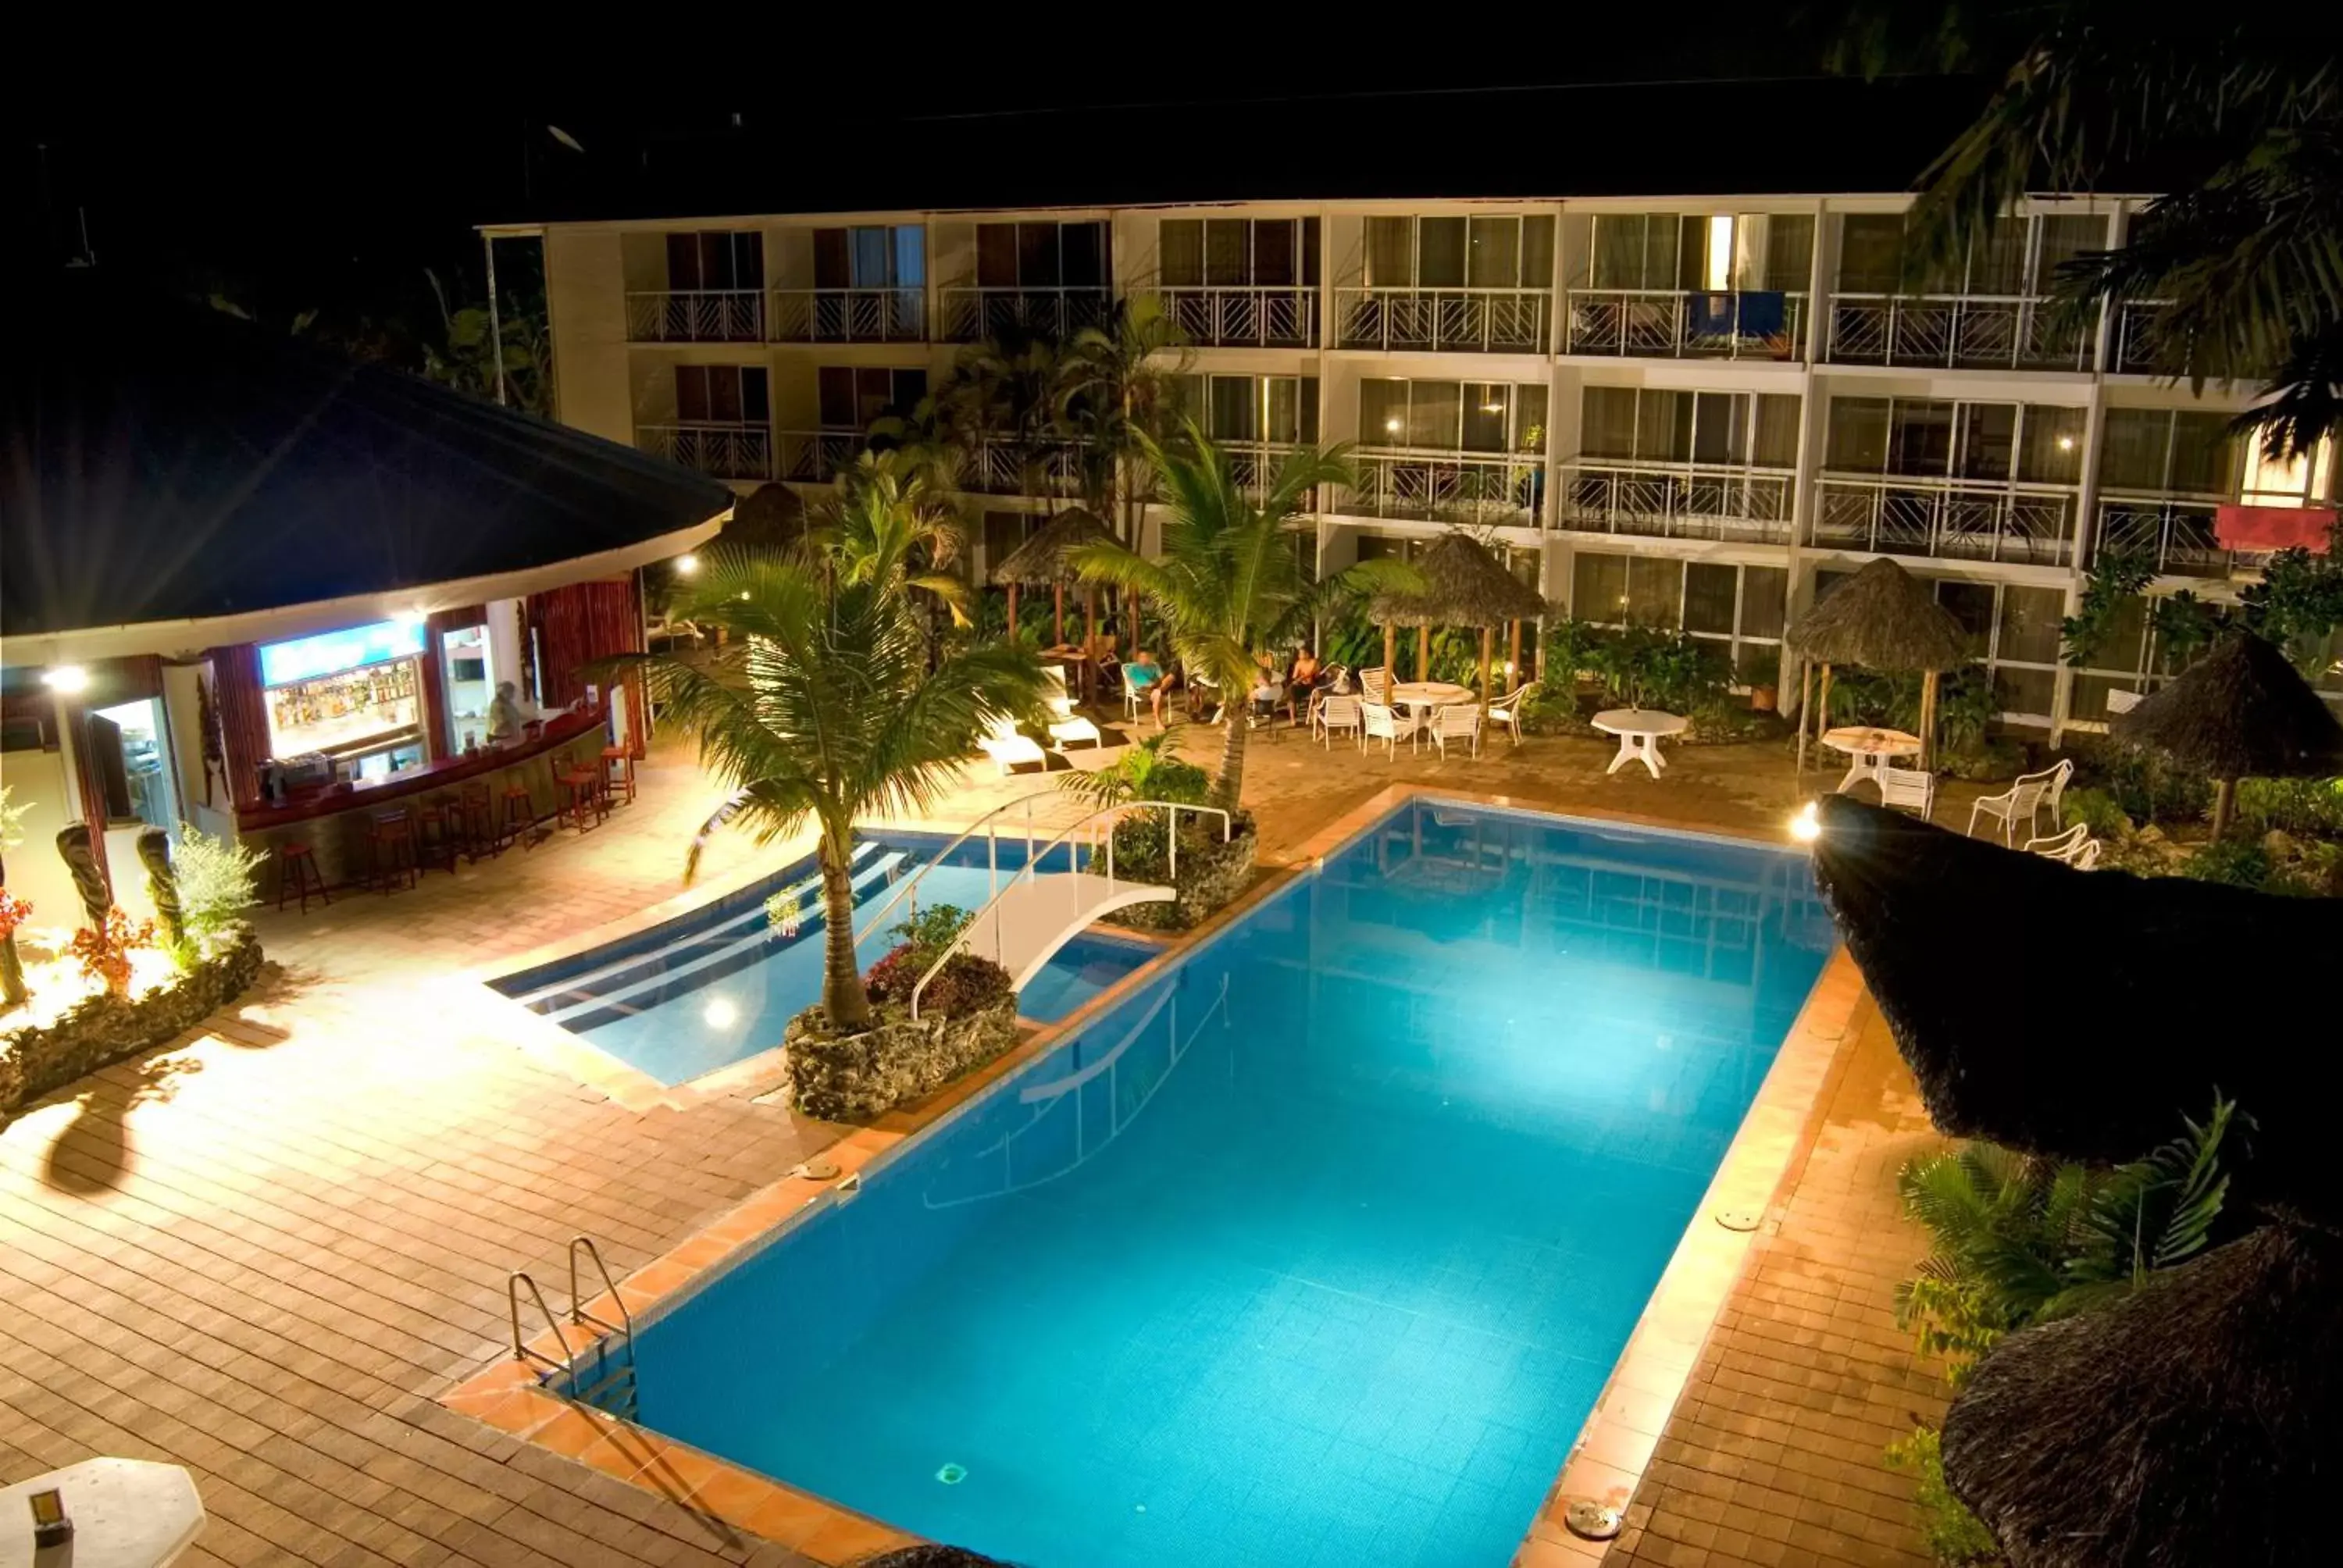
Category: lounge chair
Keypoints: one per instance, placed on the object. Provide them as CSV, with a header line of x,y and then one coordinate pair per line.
x,y
1507,709
1904,789
1010,749
1066,727
2026,799
1459,721
1332,713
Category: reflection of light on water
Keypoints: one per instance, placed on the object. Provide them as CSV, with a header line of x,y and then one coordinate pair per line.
x,y
719,1013
1806,827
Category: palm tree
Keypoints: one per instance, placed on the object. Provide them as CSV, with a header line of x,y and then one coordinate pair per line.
x,y
829,712
1116,384
1003,392
1229,580
894,519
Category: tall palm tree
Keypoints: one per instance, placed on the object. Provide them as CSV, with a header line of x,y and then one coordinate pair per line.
x,y
1117,383
828,711
1229,580
1003,391
894,519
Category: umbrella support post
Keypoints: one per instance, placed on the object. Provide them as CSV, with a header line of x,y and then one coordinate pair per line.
x,y
1928,720
1390,649
2225,792
1805,709
1012,612
1488,637
1423,651
1058,616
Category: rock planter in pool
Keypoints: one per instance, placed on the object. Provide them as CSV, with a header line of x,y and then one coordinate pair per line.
x,y
1212,873
853,1077
106,1028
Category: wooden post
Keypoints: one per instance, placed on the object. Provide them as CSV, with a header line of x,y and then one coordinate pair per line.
x,y
1488,637
1928,720
1512,655
1012,612
2225,790
1391,648
1805,710
1058,619
1090,646
1423,651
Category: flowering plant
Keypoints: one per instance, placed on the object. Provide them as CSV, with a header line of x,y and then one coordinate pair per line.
x,y
13,912
105,954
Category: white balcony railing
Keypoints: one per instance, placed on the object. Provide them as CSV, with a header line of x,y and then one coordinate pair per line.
x,y
1048,468
1680,323
1216,316
971,313
723,451
696,316
2136,351
1440,320
849,314
1951,331
815,456
1675,500
2173,531
1494,489
1960,519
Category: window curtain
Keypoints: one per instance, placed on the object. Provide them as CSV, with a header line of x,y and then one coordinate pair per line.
x,y
1493,259
1180,252
1789,252
1440,252
1228,259
243,713
1775,445
1383,412
579,624
1434,415
1606,419
1390,252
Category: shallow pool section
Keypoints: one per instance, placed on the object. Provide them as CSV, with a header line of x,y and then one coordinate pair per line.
x,y
1318,1249
720,983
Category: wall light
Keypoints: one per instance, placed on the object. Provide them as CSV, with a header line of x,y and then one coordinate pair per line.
x,y
687,565
66,678
1805,827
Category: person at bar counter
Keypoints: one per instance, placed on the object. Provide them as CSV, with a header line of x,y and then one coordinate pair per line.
x,y
505,714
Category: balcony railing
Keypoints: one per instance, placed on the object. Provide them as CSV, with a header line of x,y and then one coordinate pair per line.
x,y
1244,317
1445,321
1959,519
815,456
849,314
1966,331
1496,488
2175,532
696,316
970,314
1018,468
1676,500
1678,324
2136,351
723,451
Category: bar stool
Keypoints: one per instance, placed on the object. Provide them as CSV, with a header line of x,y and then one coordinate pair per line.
x,y
626,778
473,819
436,833
519,816
584,794
391,840
296,871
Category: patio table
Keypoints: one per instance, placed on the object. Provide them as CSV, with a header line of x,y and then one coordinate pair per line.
x,y
1419,698
1871,750
1639,730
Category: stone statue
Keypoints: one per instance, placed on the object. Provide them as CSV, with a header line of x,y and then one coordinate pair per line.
x,y
162,884
81,860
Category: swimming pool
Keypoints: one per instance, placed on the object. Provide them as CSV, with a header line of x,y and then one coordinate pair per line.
x,y
1316,1250
720,983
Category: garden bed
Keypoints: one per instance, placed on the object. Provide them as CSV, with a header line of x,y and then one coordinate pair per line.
x,y
855,1077
1211,877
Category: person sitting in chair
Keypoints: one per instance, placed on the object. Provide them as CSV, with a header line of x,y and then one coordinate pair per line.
x,y
1146,678
1303,680
1268,690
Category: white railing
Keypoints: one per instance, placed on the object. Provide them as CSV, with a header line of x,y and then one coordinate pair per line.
x,y
2175,532
1685,324
696,316
1254,466
2022,332
722,451
1049,468
972,313
1101,823
1495,487
1468,320
1675,500
816,456
1218,316
850,315
2136,351
989,824
1963,519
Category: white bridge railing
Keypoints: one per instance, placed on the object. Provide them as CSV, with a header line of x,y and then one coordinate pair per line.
x,y
989,825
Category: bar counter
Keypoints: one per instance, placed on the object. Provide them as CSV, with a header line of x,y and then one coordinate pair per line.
x,y
334,820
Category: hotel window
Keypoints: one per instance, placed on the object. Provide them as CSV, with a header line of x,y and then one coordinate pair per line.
x,y
852,396
2017,256
2306,478
1670,251
1237,253
1737,609
2184,451
1452,415
871,256
1041,256
721,395
1493,252
715,259
1654,426
1279,409
1920,437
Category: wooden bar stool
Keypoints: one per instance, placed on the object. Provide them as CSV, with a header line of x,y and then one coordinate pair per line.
x,y
393,844
518,818
582,793
296,871
473,819
626,776
436,832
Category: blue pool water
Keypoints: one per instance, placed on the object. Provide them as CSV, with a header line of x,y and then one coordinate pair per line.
x,y
1317,1250
721,984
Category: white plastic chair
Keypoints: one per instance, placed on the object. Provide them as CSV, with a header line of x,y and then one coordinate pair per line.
x,y
1376,684
2063,846
1456,721
1903,789
1332,713
2023,799
1507,709
1382,723
1010,749
2086,858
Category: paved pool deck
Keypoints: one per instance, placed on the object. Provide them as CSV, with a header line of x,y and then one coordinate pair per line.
x,y
264,1250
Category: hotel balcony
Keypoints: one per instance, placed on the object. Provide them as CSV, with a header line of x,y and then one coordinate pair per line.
x,y
1242,317
1487,489
2134,351
848,315
1955,332
720,451
972,313
1676,500
2175,532
1685,324
1953,519
1050,468
1445,321
696,316
816,456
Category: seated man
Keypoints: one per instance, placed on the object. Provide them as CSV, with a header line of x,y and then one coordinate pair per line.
x,y
1301,681
1145,679
1268,690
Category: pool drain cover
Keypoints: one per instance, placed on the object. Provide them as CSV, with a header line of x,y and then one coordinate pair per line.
x,y
1738,1219
1593,1520
953,1475
817,1170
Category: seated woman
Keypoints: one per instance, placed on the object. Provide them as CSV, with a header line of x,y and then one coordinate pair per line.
x,y
1302,681
1145,678
1268,690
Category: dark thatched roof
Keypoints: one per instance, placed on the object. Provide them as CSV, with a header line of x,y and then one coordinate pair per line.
x,y
1463,585
2076,1014
1882,617
1041,560
2197,1420
2241,711
770,516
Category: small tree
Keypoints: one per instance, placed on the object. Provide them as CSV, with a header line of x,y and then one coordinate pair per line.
x,y
218,880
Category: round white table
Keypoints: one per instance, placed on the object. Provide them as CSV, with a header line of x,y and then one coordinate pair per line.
x,y
1419,698
1870,750
125,1513
1639,730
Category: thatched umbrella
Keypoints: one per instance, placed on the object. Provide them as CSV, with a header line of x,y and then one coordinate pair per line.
x,y
2198,1419
2241,711
1999,1054
1883,618
768,517
1046,560
1463,585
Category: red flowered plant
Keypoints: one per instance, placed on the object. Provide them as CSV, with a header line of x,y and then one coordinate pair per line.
x,y
105,954
13,912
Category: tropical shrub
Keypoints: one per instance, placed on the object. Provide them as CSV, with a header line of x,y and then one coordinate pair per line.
x,y
1145,771
1645,668
2146,789
2096,810
965,982
1953,1535
2305,808
218,880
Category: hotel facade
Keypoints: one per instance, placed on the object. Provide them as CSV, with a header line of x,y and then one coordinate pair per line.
x,y
1679,412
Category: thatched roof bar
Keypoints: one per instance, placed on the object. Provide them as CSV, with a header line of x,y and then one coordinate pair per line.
x,y
1882,617
1045,559
1463,585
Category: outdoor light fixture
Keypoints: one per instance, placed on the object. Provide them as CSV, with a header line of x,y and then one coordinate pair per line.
x,y
1806,827
719,1013
1392,425
66,677
2065,443
687,565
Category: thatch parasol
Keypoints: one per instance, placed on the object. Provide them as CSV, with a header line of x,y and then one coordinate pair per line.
x,y
1463,585
2241,711
1046,560
1882,617
768,517
1974,952
2199,1419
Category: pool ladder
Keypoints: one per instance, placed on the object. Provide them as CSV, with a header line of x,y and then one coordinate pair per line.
x,y
595,1375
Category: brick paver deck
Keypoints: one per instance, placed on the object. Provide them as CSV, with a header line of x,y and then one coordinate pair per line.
x,y
260,1251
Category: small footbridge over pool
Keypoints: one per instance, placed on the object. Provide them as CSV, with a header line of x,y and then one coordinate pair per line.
x,y
1062,877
